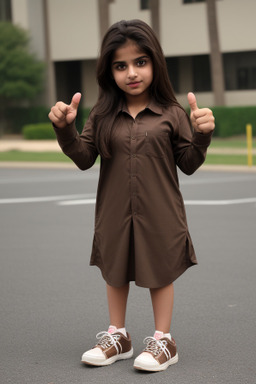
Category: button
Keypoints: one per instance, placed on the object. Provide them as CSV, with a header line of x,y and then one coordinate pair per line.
x,y
134,155
133,137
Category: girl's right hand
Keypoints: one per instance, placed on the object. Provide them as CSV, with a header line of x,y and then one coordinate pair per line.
x,y
63,114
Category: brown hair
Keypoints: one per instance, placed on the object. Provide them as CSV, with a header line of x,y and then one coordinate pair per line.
x,y
109,94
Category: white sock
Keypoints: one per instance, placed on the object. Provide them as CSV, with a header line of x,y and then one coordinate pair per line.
x,y
123,331
168,335
159,334
114,329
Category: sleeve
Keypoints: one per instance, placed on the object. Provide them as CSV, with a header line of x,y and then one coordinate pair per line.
x,y
189,147
79,148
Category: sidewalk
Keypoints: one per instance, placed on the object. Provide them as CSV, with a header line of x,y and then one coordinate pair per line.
x,y
18,144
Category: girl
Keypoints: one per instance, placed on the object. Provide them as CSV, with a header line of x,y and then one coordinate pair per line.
x,y
141,133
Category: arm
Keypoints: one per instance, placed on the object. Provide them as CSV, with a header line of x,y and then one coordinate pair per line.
x,y
80,148
190,145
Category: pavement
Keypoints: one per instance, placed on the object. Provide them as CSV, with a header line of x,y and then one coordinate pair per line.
x,y
53,304
11,143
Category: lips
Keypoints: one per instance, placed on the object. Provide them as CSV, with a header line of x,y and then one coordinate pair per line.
x,y
134,84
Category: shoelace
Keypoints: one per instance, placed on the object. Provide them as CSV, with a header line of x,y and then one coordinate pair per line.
x,y
106,340
156,346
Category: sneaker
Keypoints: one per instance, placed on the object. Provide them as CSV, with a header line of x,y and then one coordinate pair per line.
x,y
110,348
158,355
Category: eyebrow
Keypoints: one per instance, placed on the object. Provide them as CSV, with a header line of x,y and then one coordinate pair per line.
x,y
137,59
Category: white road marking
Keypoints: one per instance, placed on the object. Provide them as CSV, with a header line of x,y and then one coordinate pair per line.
x,y
187,202
42,199
85,199
221,202
77,202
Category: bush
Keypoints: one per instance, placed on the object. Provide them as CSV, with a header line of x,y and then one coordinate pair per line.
x,y
20,116
41,131
231,121
82,116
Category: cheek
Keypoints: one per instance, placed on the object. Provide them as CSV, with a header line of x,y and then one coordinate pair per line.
x,y
151,75
118,77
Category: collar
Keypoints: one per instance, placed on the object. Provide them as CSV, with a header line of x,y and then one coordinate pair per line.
x,y
152,106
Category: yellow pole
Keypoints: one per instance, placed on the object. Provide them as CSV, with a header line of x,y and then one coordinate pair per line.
x,y
249,143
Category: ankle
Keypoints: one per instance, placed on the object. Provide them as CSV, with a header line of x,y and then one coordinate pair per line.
x,y
159,335
114,329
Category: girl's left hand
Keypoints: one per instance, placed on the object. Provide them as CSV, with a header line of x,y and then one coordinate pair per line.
x,y
202,119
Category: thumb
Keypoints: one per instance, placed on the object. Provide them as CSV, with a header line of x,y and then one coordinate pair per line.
x,y
192,101
75,100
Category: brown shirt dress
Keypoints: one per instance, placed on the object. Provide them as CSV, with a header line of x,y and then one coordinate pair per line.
x,y
141,231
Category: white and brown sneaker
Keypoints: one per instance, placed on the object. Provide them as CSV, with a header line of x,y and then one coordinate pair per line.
x,y
158,355
110,348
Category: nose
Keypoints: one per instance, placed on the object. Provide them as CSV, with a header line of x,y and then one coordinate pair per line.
x,y
132,72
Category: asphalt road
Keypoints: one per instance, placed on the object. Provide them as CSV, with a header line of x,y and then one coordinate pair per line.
x,y
53,304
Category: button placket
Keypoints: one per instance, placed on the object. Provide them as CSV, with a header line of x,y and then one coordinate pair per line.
x,y
133,169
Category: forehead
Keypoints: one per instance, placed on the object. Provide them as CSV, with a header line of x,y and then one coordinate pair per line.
x,y
128,51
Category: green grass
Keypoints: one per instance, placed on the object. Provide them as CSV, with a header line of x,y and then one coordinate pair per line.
x,y
20,156
59,157
231,142
228,159
34,156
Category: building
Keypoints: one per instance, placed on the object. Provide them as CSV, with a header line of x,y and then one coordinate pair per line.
x,y
66,34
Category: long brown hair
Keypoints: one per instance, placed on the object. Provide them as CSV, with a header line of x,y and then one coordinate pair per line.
x,y
110,94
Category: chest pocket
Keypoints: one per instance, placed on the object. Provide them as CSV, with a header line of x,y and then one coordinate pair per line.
x,y
156,143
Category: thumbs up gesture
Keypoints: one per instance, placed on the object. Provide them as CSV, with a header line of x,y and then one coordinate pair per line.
x,y
202,119
63,114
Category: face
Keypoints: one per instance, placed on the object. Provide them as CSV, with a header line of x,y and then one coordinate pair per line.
x,y
132,70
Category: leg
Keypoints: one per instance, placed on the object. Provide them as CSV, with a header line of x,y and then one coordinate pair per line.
x,y
112,346
159,353
117,300
162,302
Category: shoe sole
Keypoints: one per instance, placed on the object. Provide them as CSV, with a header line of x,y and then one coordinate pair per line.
x,y
159,368
111,360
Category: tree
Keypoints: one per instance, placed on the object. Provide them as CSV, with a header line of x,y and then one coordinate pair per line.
x,y
21,74
217,72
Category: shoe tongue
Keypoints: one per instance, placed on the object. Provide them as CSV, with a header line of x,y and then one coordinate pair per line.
x,y
112,329
158,335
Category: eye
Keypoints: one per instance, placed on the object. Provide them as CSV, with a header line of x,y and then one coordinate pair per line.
x,y
141,63
120,67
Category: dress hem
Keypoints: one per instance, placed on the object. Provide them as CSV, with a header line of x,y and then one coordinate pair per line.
x,y
178,273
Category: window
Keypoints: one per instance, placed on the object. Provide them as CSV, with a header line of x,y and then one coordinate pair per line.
x,y
240,70
68,79
173,72
243,78
5,10
192,1
254,78
246,78
144,4
202,73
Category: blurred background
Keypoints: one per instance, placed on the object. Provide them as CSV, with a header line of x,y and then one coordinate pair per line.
x,y
209,45
51,302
